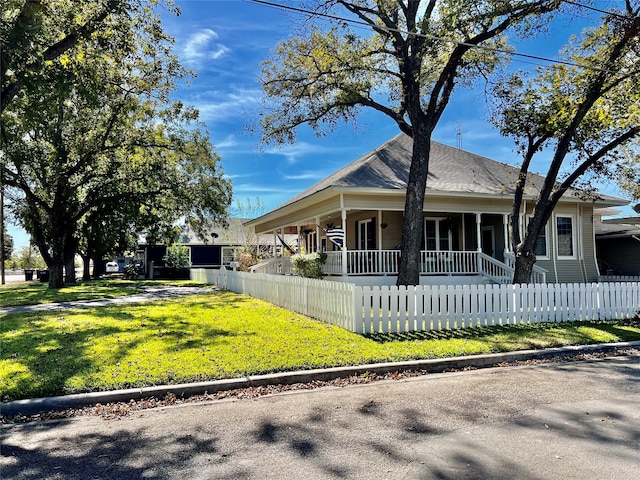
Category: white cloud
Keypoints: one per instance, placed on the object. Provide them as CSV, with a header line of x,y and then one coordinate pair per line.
x,y
229,141
301,149
201,46
219,106
258,188
308,175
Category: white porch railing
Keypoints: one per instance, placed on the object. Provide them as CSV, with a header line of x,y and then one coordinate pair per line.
x,y
619,278
494,270
274,266
385,262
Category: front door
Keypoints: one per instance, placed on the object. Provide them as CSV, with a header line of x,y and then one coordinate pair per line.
x,y
437,236
489,241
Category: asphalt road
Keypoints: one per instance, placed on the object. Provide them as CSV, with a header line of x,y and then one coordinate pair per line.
x,y
578,420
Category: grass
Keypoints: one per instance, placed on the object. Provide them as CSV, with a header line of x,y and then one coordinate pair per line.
x,y
223,335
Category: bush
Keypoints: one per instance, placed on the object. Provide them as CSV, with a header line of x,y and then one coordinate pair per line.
x,y
309,265
246,260
132,270
177,257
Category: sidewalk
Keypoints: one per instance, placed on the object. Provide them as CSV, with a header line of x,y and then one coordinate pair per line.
x,y
149,294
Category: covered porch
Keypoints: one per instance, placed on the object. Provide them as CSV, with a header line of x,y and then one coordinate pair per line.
x,y
460,244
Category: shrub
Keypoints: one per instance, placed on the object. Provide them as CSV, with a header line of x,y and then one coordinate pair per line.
x,y
246,260
309,265
132,270
177,257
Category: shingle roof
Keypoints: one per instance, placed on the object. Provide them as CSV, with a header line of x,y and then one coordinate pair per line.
x,y
450,170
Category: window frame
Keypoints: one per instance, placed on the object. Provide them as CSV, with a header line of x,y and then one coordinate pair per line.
x,y
546,256
439,238
366,227
574,246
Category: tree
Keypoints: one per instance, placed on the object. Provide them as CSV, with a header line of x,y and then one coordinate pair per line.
x,y
586,115
248,251
406,69
28,257
7,243
628,175
99,134
34,33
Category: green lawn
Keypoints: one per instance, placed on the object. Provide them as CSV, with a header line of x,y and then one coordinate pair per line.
x,y
222,335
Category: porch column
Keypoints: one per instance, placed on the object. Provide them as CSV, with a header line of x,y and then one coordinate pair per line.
x,y
275,244
479,230
343,214
299,239
317,235
379,228
507,240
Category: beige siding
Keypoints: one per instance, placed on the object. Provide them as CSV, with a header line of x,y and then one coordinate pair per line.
x,y
392,235
590,260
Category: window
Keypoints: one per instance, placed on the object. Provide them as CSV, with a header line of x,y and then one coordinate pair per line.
x,y
311,245
565,236
436,235
541,243
229,255
367,234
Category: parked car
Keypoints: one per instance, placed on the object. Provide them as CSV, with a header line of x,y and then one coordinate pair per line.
x,y
112,267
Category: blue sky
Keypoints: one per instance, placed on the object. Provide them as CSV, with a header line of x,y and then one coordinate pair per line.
x,y
225,41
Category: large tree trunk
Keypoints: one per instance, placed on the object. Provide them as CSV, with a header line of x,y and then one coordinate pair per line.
x,y
56,274
70,271
524,267
86,267
70,249
98,266
409,270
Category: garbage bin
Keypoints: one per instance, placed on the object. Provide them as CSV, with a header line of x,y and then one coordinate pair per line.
x,y
28,275
44,275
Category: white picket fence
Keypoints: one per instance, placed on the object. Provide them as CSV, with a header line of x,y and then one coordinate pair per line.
x,y
330,302
424,307
619,278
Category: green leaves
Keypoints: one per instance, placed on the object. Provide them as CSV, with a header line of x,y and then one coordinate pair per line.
x,y
95,140
585,111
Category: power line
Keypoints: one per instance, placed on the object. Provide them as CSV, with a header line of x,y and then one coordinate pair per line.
x,y
436,38
589,7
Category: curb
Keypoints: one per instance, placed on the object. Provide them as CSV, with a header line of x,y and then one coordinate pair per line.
x,y
39,405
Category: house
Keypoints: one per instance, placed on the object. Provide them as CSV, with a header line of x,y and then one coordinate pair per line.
x,y
221,246
618,244
465,221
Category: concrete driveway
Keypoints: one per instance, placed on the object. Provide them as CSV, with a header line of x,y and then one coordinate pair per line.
x,y
578,420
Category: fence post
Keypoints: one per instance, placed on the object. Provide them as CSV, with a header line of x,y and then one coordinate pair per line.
x,y
358,320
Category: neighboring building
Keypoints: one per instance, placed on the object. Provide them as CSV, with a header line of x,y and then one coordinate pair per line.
x,y
618,244
465,223
220,247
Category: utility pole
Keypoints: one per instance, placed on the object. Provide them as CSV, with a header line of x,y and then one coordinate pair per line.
x,y
2,232
2,192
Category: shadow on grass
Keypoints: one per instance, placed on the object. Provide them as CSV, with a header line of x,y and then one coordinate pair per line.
x,y
47,349
569,329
